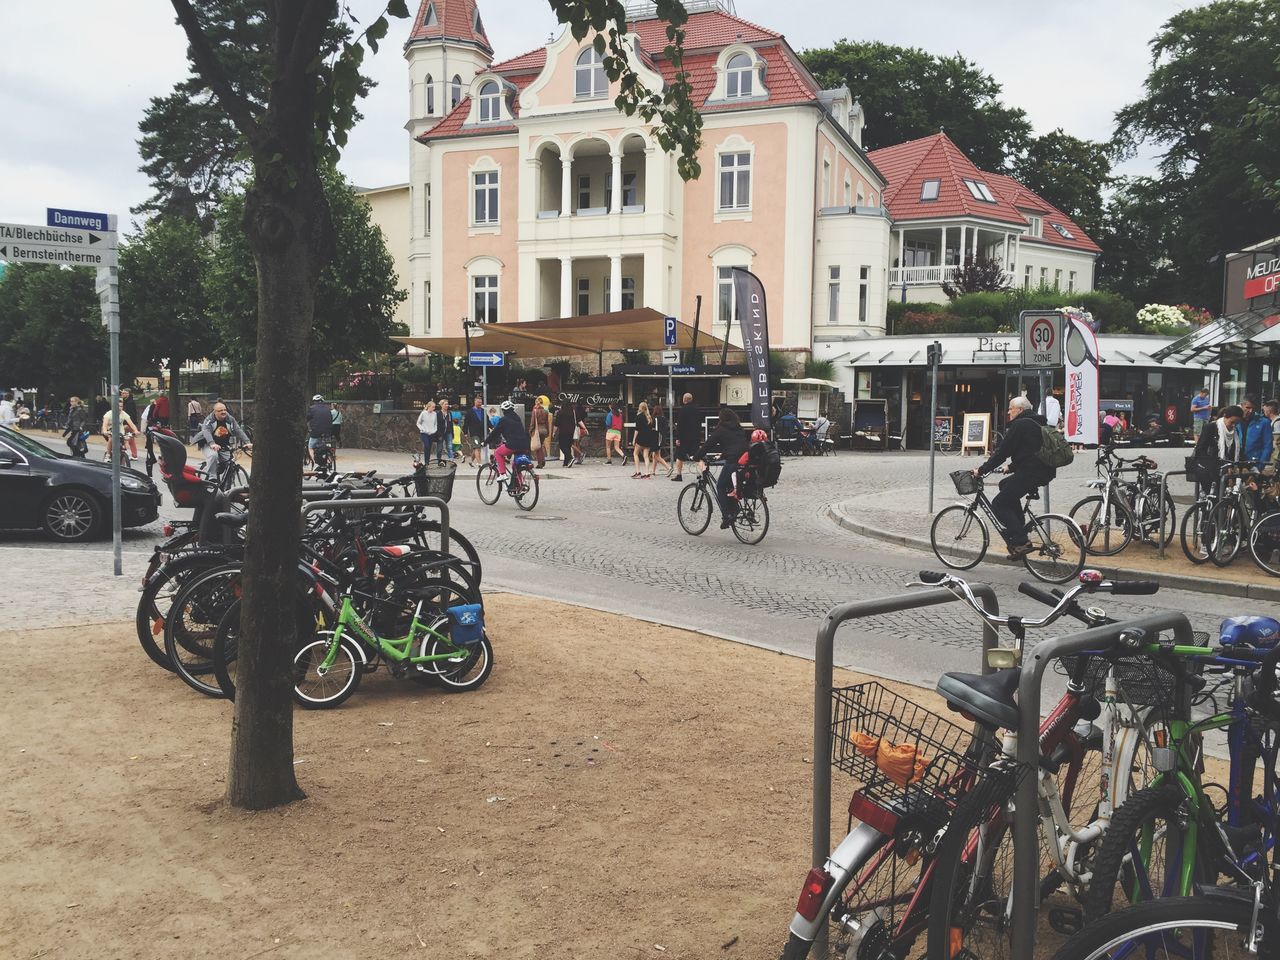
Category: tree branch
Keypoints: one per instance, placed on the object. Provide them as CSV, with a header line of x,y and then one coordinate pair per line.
x,y
211,68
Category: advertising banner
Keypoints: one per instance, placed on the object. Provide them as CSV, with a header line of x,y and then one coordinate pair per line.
x,y
1080,423
753,322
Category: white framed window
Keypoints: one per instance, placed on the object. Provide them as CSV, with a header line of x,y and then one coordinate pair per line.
x,y
485,188
1026,278
1034,225
864,289
1062,231
738,76
735,181
484,298
426,209
628,293
833,294
590,82
1057,279
929,189
431,96
1071,282
490,102
919,253
584,192
584,296
628,188
1044,276
724,294
426,304
455,91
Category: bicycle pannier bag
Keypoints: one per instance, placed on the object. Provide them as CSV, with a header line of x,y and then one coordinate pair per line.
x,y
771,469
1054,450
467,624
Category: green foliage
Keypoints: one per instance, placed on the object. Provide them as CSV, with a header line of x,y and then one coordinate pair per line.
x,y
356,297
908,93
998,312
819,369
1070,173
51,334
976,275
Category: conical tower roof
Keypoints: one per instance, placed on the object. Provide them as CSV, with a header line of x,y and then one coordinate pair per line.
x,y
450,20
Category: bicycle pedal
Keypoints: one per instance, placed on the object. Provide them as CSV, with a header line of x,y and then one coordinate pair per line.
x,y
1066,920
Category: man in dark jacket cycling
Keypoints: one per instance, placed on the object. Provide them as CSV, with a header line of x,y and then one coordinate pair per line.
x,y
1028,473
729,441
508,437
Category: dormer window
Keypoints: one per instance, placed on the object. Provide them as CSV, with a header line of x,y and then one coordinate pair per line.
x,y
455,91
490,102
479,27
979,191
1062,231
739,76
589,79
430,19
1033,224
929,189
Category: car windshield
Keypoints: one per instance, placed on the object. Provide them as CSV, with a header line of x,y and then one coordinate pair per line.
x,y
25,444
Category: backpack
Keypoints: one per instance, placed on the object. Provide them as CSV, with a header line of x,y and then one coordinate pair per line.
x,y
1054,450
608,420
771,468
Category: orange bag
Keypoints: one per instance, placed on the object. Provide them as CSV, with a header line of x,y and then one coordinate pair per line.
x,y
866,744
901,763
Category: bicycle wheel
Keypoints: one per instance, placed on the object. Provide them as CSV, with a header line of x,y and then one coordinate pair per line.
x,y
1228,525
1057,548
1107,527
233,476
467,670
751,522
527,496
1214,925
318,687
1149,522
1198,531
460,548
158,593
488,485
1143,852
693,509
959,537
1264,543
192,625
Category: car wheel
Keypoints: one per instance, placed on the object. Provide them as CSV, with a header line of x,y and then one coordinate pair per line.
x,y
71,516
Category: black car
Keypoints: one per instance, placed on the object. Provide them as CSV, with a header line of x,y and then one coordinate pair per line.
x,y
70,499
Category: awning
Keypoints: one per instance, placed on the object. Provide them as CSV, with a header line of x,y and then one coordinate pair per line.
x,y
811,382
639,329
1232,328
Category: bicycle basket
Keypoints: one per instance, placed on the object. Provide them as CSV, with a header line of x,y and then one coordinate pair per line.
x,y
966,483
1140,681
906,758
435,480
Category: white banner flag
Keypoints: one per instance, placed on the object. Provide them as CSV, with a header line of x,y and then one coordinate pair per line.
x,y
1081,421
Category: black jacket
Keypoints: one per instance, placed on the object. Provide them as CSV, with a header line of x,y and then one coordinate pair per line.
x,y
476,422
510,431
688,426
1021,446
319,420
1206,454
730,442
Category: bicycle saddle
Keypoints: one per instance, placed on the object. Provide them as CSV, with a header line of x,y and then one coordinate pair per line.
x,y
988,697
1261,632
1033,495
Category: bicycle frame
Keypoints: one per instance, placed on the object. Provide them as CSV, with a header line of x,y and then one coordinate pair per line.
x,y
396,649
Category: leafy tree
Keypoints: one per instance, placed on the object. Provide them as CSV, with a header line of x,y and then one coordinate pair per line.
x,y
1070,173
908,93
289,138
356,297
51,333
162,278
1212,88
976,275
191,149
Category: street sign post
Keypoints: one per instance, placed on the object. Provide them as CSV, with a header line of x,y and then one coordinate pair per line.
x,y
477,359
24,243
1041,339
80,220
669,331
670,358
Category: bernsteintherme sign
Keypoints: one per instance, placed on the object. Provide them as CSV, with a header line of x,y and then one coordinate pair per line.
x,y
20,243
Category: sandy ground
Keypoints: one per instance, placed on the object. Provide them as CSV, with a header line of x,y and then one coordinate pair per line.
x,y
616,789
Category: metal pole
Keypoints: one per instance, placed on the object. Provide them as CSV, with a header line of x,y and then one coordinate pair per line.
x,y
933,418
108,290
697,317
671,430
1044,402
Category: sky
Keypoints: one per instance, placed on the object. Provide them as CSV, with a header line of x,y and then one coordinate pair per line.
x,y
76,77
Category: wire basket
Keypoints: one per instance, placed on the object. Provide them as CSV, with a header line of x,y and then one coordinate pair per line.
x,y
1140,681
966,483
945,764
435,480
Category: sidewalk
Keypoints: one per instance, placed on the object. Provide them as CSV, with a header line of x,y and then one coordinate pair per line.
x,y
902,517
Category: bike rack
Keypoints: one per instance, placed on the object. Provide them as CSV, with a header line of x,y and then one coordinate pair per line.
x,y
1164,491
1026,846
394,502
823,664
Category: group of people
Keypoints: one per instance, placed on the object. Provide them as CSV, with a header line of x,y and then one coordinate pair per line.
x,y
1247,433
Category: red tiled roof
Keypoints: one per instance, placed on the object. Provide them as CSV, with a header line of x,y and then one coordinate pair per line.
x,y
452,125
1025,198
534,61
908,165
711,28
455,19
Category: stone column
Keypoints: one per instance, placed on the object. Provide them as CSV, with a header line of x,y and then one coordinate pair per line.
x,y
566,286
566,185
615,194
615,280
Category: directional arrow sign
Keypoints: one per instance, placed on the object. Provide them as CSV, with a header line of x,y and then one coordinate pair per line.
x,y
475,359
23,243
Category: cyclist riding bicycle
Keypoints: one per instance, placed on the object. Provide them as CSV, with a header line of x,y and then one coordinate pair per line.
x,y
1028,473
508,437
728,440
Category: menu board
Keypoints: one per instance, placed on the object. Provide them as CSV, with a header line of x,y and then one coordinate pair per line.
x,y
977,432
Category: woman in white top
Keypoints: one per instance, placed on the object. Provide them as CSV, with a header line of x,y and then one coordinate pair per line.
x,y
127,430
429,429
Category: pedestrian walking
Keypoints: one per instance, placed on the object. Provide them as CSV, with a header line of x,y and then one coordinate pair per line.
x,y
580,432
77,429
660,432
566,426
444,439
8,416
539,430
688,426
613,434
100,406
195,414
428,428
646,440
476,428
160,411
129,405
1201,407
335,415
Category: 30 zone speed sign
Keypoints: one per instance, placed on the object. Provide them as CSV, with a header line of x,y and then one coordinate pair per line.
x,y
1041,339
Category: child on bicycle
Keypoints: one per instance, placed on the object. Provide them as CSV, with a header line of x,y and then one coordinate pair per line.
x,y
747,477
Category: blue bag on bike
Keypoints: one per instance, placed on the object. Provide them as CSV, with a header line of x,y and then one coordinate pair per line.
x,y
467,624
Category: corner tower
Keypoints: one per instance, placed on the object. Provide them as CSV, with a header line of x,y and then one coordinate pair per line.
x,y
447,47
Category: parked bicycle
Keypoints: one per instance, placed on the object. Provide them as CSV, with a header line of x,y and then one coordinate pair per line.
x,y
697,504
1124,510
521,484
960,537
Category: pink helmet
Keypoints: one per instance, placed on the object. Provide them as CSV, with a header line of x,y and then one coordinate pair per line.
x,y
759,436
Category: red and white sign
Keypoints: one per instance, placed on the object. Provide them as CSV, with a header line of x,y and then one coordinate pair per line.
x,y
1041,340
1080,422
1262,279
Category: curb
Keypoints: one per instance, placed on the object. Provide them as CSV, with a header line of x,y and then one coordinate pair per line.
x,y
1176,581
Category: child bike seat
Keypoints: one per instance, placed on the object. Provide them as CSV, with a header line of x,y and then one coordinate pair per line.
x,y
1261,632
523,460
988,698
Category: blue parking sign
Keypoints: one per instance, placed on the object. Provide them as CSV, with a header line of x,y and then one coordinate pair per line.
x,y
669,331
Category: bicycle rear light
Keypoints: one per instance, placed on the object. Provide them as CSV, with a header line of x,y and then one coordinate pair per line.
x,y
811,895
872,814
167,529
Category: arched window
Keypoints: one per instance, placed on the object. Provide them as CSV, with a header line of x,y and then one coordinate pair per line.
x,y
590,81
489,101
455,91
739,72
431,96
